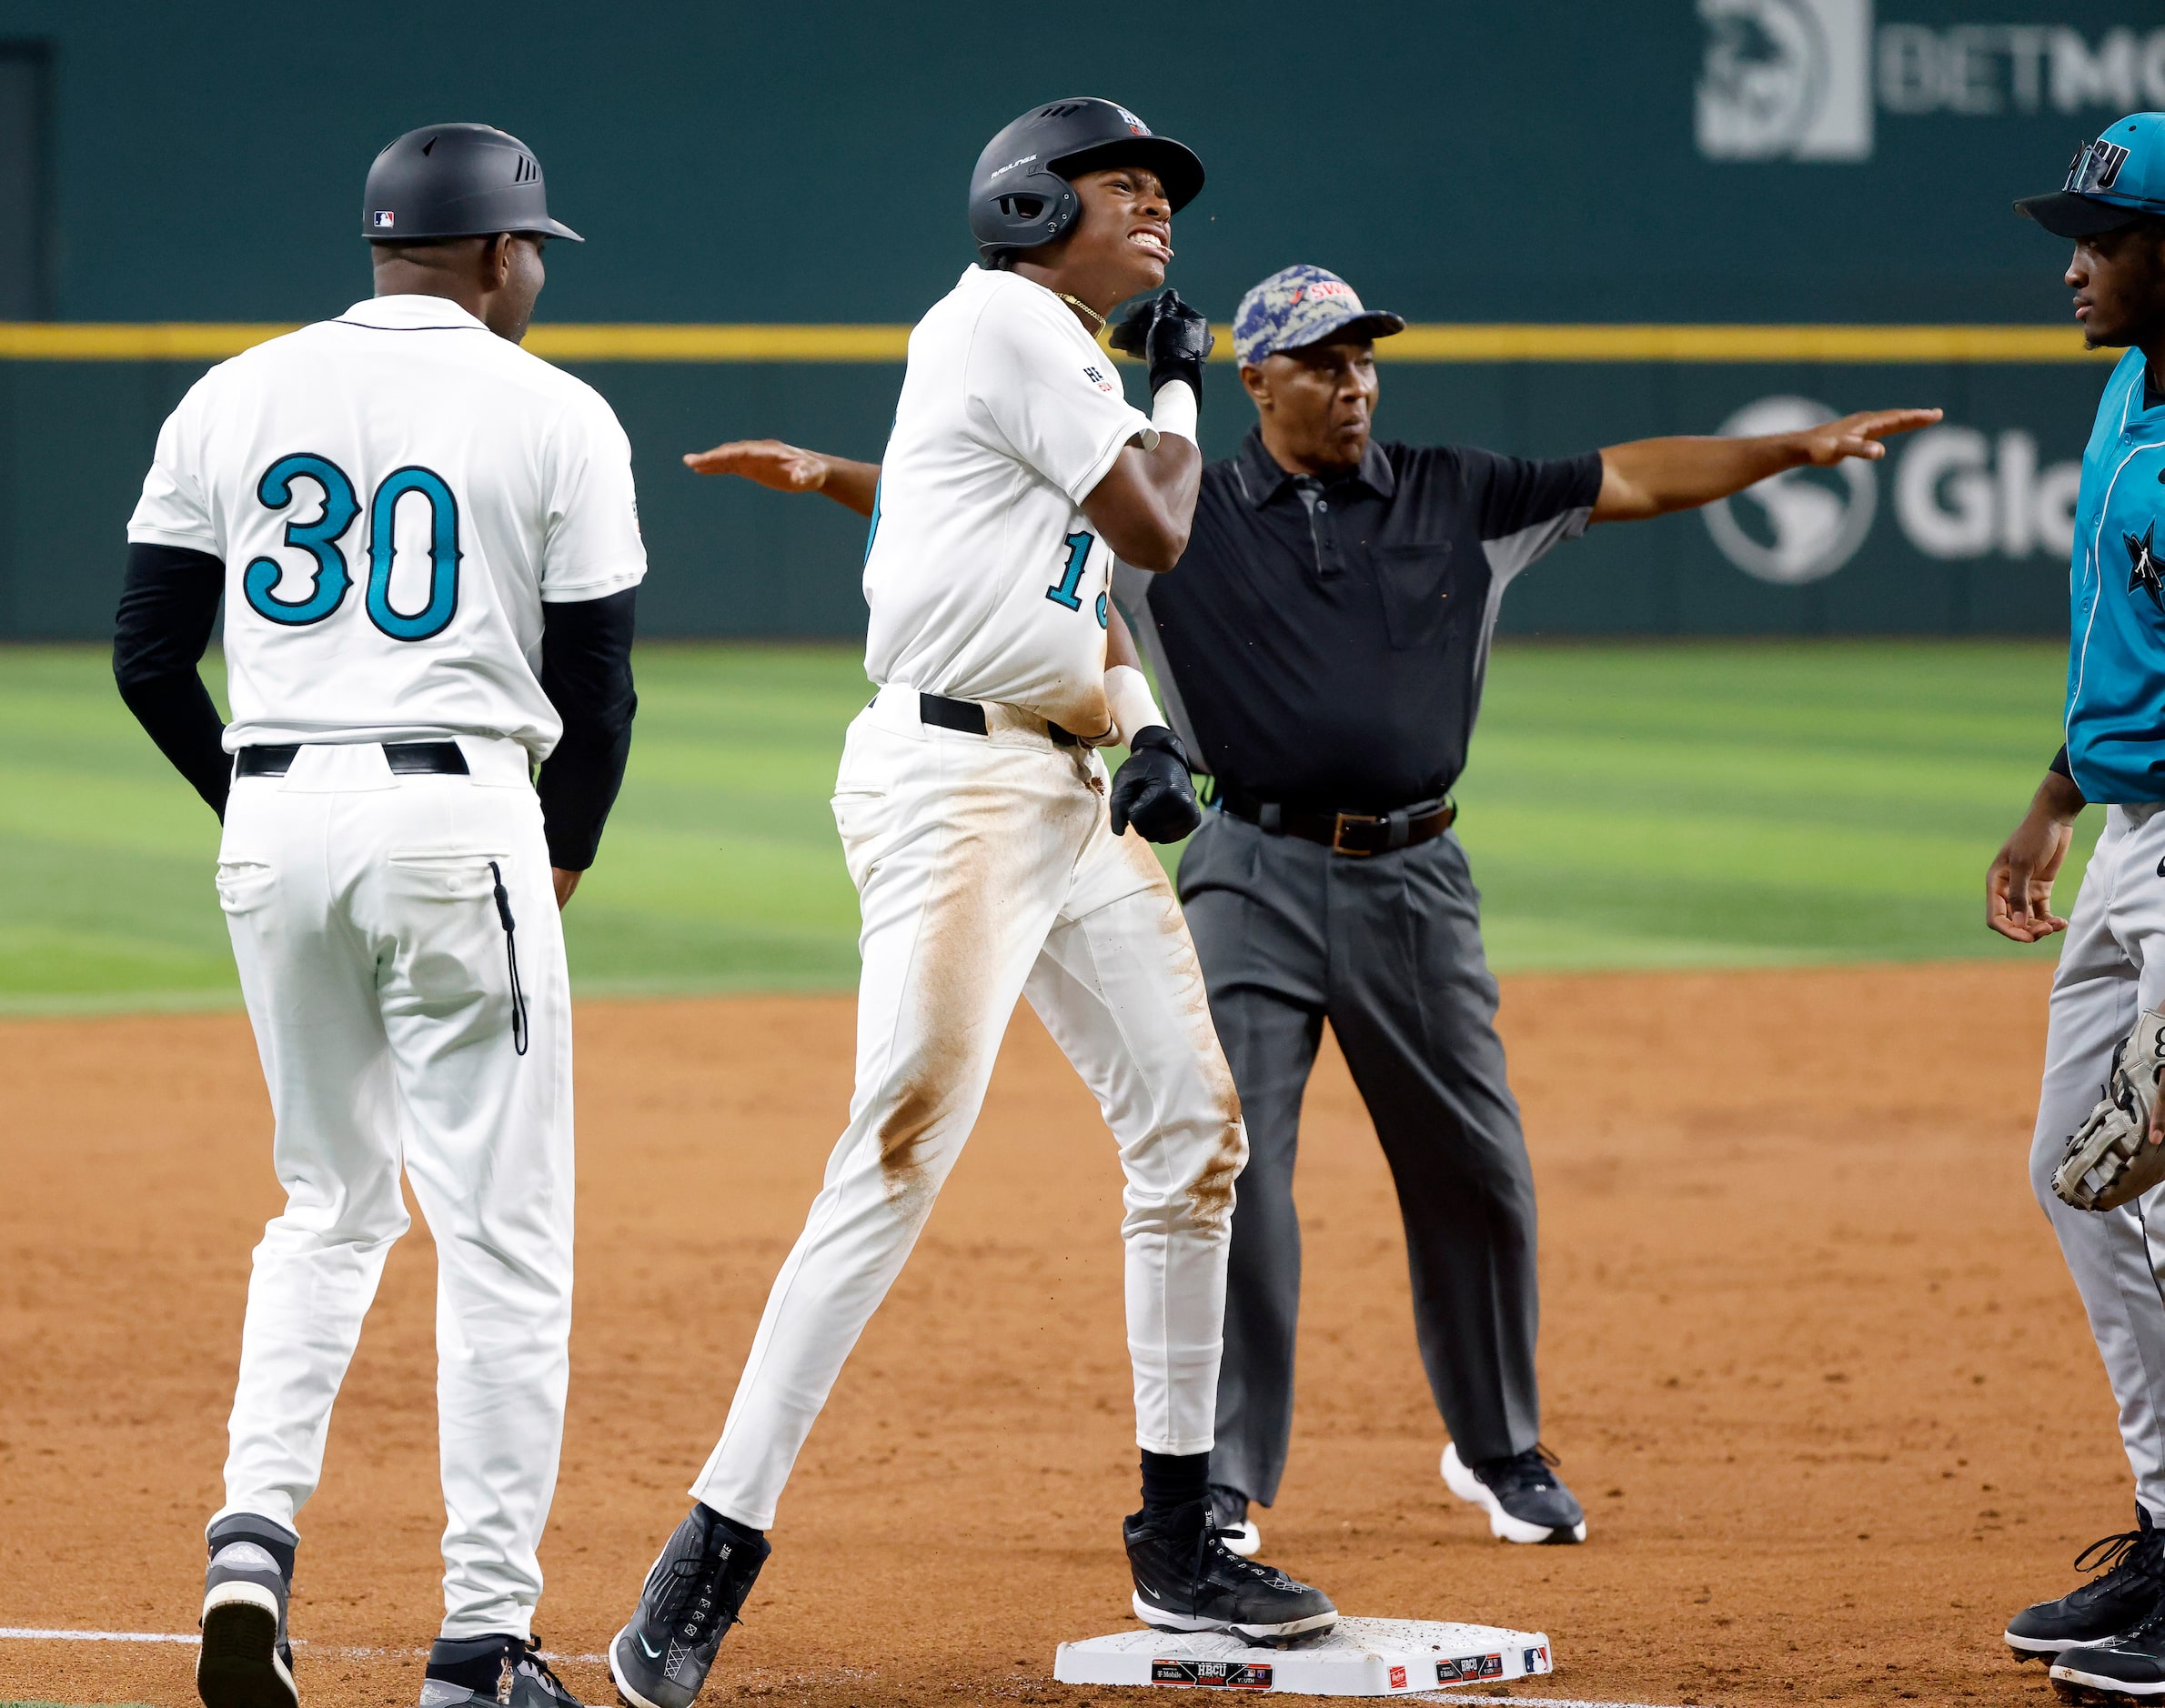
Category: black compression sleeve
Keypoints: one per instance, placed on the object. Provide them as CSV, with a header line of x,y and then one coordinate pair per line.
x,y
168,607
586,671
2060,764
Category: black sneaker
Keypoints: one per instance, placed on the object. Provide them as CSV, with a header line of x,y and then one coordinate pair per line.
x,y
245,1661
694,1594
494,1669
2129,1589
1186,1581
1524,1499
2125,1669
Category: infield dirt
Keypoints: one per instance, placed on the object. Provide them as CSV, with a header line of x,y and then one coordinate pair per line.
x,y
1810,1358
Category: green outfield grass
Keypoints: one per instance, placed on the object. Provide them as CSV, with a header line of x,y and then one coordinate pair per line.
x,y
1626,806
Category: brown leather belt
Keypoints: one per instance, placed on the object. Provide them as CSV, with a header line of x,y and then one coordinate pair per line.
x,y
1356,835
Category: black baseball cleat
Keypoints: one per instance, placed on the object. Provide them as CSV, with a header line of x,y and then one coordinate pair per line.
x,y
693,1595
2123,1668
499,1668
1186,1580
245,1661
1524,1499
2128,1590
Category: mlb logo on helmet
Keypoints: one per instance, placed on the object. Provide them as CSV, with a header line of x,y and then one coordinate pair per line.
x,y
1134,123
383,219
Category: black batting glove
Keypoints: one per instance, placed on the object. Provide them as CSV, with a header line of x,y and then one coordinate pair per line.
x,y
1169,335
1152,791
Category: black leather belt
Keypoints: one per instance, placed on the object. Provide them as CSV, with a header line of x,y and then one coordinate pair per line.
x,y
1356,834
969,716
407,759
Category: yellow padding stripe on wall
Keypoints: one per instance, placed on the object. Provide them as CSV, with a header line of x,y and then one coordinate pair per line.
x,y
197,341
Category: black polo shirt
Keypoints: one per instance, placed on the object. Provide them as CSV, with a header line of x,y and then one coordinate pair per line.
x,y
1322,644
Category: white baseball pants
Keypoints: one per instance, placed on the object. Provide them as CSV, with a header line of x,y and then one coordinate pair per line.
x,y
374,962
987,870
2111,968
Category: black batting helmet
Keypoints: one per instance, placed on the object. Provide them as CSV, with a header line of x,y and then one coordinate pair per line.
x,y
1021,194
456,181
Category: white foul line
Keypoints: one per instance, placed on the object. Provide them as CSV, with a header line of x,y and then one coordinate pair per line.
x,y
28,1634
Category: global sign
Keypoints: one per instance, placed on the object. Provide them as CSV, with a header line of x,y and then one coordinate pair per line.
x,y
1960,493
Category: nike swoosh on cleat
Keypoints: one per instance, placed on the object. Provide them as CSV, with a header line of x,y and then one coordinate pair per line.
x,y
652,1654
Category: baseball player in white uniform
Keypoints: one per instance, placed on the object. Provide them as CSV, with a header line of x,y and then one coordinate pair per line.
x,y
988,849
427,544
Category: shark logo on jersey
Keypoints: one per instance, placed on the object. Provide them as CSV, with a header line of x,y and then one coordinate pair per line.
x,y
2144,570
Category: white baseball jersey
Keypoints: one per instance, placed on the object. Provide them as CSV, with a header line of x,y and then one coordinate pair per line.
x,y
394,494
986,581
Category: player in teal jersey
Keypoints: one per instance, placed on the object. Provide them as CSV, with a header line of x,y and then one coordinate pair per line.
x,y
2106,1641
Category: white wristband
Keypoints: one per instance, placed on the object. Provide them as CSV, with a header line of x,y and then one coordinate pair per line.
x,y
1174,410
1128,697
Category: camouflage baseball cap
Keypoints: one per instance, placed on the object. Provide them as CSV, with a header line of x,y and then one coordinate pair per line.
x,y
1304,305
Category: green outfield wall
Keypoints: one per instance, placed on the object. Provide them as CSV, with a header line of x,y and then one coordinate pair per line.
x,y
1542,167
1962,530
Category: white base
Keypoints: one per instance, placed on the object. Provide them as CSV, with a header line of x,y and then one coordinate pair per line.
x,y
1359,1657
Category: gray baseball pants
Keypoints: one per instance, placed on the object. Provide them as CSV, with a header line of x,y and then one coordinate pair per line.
x,y
2111,968
1388,949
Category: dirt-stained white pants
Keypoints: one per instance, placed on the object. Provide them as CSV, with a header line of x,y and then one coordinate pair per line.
x,y
2111,968
373,960
987,870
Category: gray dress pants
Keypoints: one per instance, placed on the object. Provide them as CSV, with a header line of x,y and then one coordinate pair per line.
x,y
1388,949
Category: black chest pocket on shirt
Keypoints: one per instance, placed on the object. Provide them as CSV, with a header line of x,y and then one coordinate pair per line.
x,y
1418,593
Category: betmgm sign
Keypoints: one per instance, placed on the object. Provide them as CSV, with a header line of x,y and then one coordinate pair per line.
x,y
1804,80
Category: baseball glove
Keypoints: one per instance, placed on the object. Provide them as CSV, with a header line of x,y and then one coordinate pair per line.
x,y
2111,1160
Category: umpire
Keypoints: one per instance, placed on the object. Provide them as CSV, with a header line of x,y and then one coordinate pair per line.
x,y
1320,650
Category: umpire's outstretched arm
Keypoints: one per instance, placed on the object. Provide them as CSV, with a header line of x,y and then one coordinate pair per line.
x,y
1647,477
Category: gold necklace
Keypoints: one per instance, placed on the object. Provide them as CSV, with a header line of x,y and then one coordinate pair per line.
x,y
1085,306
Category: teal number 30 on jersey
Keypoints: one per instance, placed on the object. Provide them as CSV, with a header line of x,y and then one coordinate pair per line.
x,y
319,539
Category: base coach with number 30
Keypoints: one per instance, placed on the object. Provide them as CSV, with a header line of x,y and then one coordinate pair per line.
x,y
1321,645
1321,648
426,543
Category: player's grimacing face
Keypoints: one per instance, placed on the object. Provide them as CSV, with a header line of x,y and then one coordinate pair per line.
x,y
1125,230
2119,281
1318,402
